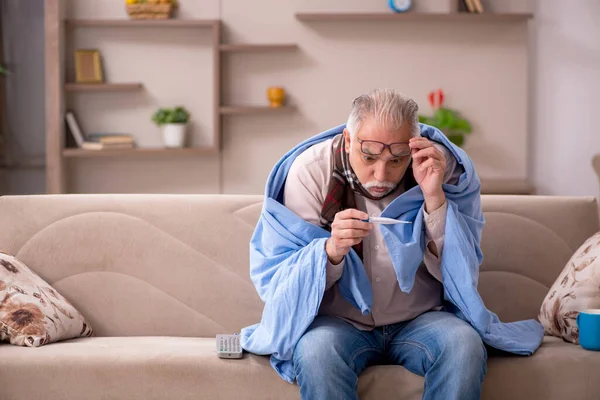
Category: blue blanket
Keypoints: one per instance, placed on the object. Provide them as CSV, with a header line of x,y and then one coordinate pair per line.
x,y
288,260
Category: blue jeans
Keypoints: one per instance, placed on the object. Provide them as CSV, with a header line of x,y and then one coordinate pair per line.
x,y
444,349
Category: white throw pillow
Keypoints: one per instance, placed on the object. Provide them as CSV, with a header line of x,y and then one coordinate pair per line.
x,y
576,289
32,313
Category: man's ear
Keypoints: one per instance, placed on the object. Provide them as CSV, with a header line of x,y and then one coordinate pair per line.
x,y
348,139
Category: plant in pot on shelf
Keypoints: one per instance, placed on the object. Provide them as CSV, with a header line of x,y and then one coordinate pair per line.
x,y
173,123
449,121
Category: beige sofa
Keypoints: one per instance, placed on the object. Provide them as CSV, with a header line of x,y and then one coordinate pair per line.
x,y
158,276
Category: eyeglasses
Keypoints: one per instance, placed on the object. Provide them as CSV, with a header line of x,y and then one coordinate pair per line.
x,y
374,148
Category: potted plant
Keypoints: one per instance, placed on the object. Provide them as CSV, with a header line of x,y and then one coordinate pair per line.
x,y
449,121
173,122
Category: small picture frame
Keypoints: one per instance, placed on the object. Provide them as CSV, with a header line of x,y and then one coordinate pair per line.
x,y
88,67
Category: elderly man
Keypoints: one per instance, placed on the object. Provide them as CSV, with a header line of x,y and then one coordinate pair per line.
x,y
382,149
343,293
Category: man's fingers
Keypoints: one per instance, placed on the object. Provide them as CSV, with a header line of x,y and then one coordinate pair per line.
x,y
415,160
427,163
352,224
431,163
358,228
351,233
352,213
342,243
431,152
420,143
428,157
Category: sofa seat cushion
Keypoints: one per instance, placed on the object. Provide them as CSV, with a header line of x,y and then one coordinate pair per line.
x,y
557,371
135,368
187,368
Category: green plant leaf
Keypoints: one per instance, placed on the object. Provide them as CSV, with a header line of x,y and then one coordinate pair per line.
x,y
450,123
180,115
177,115
3,70
462,125
427,120
457,139
446,117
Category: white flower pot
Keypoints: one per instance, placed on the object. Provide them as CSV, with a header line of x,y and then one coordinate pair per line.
x,y
174,135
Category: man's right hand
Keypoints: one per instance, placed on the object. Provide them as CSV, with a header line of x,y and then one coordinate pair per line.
x,y
347,230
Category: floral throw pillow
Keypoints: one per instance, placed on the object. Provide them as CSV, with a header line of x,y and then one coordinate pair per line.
x,y
576,289
32,313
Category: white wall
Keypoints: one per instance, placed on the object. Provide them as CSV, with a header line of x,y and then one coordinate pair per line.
x,y
566,97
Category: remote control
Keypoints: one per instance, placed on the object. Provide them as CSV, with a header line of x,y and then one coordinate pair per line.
x,y
228,346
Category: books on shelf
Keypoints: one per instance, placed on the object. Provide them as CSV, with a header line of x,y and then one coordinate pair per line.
x,y
98,141
74,128
105,146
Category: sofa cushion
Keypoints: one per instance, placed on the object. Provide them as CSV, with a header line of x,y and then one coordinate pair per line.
x,y
32,313
141,265
136,368
577,288
558,370
526,243
178,368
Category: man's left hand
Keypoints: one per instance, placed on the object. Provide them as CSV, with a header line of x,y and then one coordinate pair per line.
x,y
429,166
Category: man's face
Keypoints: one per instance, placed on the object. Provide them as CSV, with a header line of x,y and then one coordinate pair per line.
x,y
378,173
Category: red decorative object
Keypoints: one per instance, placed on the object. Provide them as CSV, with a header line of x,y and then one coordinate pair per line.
x,y
436,98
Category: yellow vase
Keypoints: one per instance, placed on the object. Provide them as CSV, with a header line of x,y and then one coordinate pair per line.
x,y
276,95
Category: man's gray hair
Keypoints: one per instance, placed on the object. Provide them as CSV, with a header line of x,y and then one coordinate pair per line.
x,y
389,108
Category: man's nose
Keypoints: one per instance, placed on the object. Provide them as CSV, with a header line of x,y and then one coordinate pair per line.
x,y
380,171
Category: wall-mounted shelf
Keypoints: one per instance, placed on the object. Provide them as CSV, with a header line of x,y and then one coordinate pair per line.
x,y
156,23
103,87
58,30
413,16
81,153
256,48
233,110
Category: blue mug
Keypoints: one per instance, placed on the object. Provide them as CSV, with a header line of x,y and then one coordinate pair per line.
x,y
588,322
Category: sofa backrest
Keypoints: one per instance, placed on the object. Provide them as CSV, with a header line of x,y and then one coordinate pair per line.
x,y
526,243
177,265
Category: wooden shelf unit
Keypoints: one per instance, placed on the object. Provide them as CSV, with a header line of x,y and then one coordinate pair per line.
x,y
233,110
256,48
56,32
130,23
103,87
412,16
188,151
